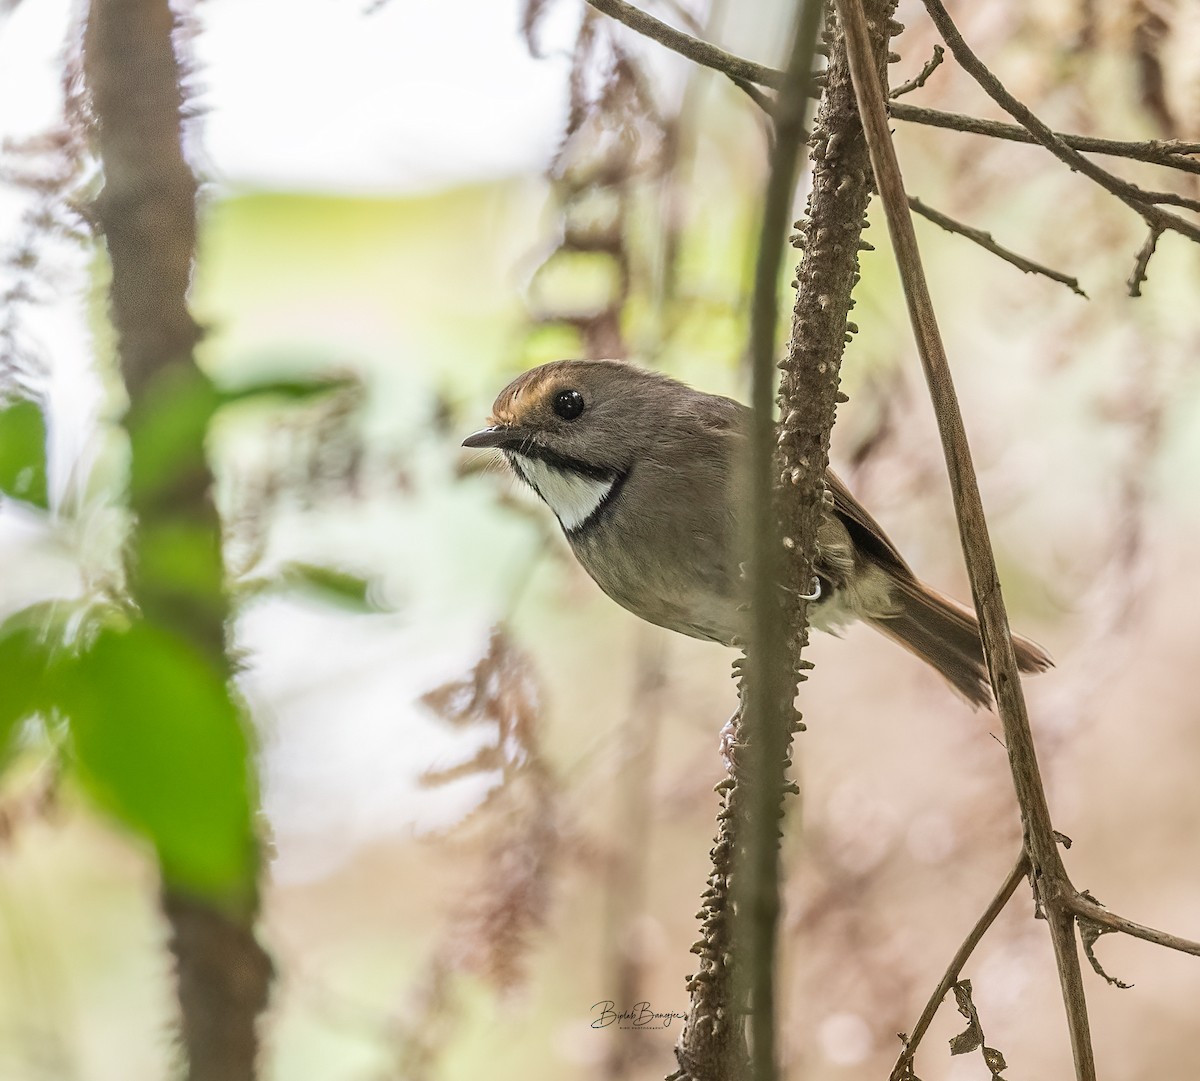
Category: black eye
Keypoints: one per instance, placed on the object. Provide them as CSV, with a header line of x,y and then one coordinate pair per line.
x,y
568,404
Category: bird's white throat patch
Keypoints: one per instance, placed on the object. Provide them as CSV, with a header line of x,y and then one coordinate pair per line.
x,y
572,496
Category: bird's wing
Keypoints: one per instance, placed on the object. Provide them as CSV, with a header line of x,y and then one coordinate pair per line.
x,y
731,420
867,534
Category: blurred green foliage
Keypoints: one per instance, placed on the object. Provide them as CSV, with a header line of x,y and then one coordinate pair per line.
x,y
154,732
159,742
23,677
23,452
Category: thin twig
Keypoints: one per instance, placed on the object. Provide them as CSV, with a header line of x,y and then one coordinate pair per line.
x,y
700,52
920,79
1142,264
1097,913
1143,202
770,684
763,101
1050,875
1171,154
985,241
960,958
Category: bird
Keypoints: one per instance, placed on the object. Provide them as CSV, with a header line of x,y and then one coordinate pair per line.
x,y
645,475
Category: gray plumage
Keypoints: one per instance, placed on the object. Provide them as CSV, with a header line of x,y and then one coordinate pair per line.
x,y
645,480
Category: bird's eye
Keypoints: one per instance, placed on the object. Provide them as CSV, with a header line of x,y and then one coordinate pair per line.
x,y
568,404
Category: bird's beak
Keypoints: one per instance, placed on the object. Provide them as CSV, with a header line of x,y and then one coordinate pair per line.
x,y
497,437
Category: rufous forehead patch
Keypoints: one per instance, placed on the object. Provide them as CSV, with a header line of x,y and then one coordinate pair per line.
x,y
521,396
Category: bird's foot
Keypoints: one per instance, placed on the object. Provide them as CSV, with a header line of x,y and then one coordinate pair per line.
x,y
728,743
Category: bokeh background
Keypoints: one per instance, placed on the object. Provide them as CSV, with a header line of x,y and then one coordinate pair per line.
x,y
488,790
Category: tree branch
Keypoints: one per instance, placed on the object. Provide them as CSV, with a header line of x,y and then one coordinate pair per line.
x,y
960,958
985,241
699,52
771,676
712,1045
1143,202
1086,909
1171,154
1049,874
1142,263
148,216
922,77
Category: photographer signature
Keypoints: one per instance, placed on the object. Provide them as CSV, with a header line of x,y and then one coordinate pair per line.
x,y
639,1015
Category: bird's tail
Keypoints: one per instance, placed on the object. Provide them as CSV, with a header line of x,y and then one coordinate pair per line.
x,y
946,635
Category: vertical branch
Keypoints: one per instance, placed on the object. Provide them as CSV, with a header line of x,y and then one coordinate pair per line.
x,y
148,217
712,1044
1054,887
769,686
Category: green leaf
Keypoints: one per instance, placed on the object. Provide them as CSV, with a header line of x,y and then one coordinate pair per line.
x,y
23,452
323,583
338,587
300,389
24,662
160,743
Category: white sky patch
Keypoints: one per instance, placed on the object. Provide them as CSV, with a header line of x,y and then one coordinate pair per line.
x,y
417,96
319,95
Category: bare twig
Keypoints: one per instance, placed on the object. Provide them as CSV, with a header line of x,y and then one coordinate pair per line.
x,y
1142,264
699,52
1049,874
1172,154
1168,153
1087,909
763,101
712,1045
922,77
985,241
1143,202
960,958
770,684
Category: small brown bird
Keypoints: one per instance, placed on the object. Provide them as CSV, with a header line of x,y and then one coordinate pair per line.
x,y
642,473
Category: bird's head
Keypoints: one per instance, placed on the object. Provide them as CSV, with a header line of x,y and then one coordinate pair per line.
x,y
574,429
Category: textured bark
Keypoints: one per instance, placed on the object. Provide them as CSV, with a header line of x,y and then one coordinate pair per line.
x,y
712,1044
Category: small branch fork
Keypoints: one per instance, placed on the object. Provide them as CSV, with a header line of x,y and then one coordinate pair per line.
x,y
985,241
1143,202
922,77
903,1067
747,75
1060,901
